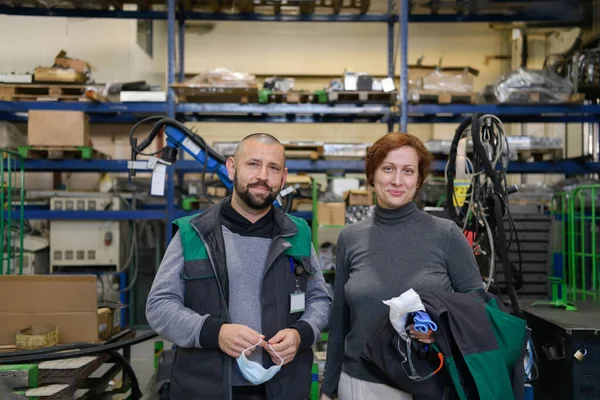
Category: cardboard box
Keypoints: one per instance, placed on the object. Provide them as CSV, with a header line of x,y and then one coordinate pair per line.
x,y
115,326
104,323
216,191
331,213
68,302
61,60
360,197
301,204
58,128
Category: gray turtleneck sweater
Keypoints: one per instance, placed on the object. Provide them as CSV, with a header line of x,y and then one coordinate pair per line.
x,y
380,258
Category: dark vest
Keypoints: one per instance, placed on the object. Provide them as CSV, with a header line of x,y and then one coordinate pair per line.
x,y
206,373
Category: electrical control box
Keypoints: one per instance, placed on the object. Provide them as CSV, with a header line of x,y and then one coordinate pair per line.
x,y
101,245
34,263
567,344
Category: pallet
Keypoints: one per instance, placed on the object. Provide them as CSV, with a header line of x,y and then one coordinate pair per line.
x,y
61,152
296,150
211,94
360,96
421,96
26,92
536,97
540,154
292,97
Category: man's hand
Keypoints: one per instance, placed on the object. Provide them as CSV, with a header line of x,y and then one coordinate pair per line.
x,y
420,336
285,343
233,339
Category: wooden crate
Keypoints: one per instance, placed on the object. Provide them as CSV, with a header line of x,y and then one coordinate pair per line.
x,y
422,96
540,154
25,92
301,150
210,94
362,96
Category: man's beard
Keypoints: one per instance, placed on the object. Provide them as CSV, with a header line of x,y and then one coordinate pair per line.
x,y
253,201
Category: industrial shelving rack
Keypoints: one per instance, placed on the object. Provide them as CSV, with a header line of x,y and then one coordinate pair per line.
x,y
299,113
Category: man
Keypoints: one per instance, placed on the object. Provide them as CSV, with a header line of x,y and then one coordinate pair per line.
x,y
242,277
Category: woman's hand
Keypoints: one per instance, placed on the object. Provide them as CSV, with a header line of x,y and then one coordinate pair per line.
x,y
420,336
324,397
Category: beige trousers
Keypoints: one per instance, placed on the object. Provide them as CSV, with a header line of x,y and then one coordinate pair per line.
x,y
355,389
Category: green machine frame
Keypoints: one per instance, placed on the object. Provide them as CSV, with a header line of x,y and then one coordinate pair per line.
x,y
576,258
10,252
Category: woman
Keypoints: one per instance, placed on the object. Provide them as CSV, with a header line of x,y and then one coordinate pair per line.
x,y
399,248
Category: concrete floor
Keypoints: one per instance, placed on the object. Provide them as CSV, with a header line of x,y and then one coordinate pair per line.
x,y
142,359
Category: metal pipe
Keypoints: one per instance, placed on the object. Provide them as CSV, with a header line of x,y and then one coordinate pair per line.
x,y
21,216
171,57
390,40
3,216
403,18
171,114
390,54
9,211
181,42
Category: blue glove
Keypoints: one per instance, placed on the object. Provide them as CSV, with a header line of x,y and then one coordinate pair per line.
x,y
423,323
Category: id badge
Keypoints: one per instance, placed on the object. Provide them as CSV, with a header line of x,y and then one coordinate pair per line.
x,y
297,302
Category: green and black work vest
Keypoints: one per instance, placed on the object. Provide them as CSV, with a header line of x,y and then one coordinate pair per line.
x,y
200,373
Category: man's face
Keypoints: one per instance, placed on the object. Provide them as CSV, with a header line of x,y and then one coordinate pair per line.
x,y
258,172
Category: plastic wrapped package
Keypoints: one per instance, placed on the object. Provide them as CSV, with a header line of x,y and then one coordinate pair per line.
x,y
358,213
345,150
222,77
283,85
586,67
532,86
536,193
447,82
515,143
10,136
226,149
534,142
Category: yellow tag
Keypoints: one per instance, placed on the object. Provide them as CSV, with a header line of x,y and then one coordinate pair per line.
x,y
461,187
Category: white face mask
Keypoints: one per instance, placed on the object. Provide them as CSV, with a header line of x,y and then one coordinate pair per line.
x,y
253,371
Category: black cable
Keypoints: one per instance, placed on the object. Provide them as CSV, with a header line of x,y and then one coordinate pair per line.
x,y
452,172
166,122
288,204
46,350
514,230
503,253
137,125
136,393
96,349
203,179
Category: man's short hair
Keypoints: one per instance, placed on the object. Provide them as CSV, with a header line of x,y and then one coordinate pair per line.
x,y
263,138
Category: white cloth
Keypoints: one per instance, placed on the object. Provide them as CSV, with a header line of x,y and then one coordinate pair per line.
x,y
400,307
355,389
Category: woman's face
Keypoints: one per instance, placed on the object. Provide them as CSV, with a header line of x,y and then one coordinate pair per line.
x,y
397,178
